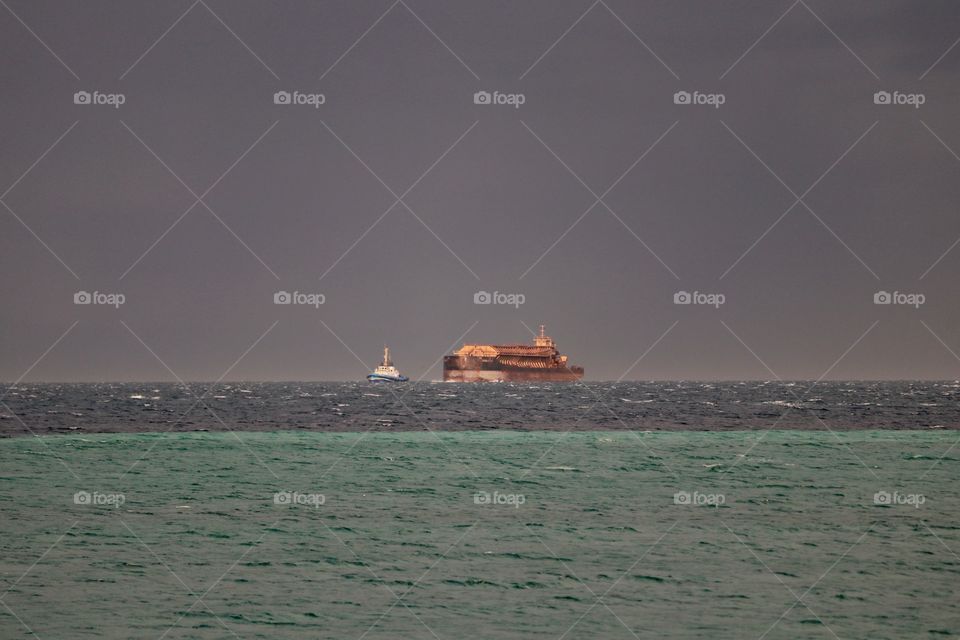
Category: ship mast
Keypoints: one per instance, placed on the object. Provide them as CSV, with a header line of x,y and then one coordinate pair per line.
x,y
386,356
542,340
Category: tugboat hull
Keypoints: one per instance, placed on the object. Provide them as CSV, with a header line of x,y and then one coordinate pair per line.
x,y
377,377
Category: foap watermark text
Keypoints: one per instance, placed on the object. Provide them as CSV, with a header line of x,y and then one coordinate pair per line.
x,y
98,297
698,297
898,97
710,99
697,499
99,98
512,99
308,299
98,499
314,500
898,297
497,297
299,98
895,498
497,498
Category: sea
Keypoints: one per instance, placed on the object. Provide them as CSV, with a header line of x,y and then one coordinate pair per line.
x,y
430,510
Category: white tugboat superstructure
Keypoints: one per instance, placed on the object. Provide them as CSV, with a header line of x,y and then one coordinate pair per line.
x,y
386,372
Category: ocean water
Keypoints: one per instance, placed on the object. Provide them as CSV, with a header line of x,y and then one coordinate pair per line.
x,y
360,406
481,534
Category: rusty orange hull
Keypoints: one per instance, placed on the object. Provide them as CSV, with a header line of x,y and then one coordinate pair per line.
x,y
462,369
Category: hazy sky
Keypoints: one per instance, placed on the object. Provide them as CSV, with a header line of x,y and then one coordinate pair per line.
x,y
797,198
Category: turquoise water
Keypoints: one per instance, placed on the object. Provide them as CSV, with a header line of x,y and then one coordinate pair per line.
x,y
386,538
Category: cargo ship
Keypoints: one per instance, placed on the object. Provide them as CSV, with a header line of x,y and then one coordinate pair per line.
x,y
541,362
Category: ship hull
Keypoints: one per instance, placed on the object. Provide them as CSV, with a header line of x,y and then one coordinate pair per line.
x,y
481,375
465,369
379,377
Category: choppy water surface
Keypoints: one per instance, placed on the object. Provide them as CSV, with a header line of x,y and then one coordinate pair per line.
x,y
392,535
132,407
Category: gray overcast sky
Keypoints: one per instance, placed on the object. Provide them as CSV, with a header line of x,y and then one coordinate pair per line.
x,y
292,197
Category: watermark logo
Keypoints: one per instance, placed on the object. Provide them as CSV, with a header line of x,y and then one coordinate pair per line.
x,y
98,499
97,97
897,97
497,498
297,98
295,497
910,299
698,499
512,299
310,299
697,297
97,297
886,498
711,99
513,99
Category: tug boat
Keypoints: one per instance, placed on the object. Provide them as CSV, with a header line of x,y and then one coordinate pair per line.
x,y
386,372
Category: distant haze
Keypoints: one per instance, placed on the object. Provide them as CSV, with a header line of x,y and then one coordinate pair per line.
x,y
793,188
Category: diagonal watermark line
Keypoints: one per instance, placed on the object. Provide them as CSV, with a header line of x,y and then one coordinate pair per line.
x,y
617,581
398,199
357,41
639,39
366,566
238,38
957,358
199,399
399,599
218,19
42,156
440,359
418,19
39,239
957,241
598,400
839,39
369,430
762,36
843,355
177,577
217,581
557,41
438,38
937,61
38,560
599,198
400,401
618,19
157,41
37,361
799,199
19,619
940,540
19,219
799,600
199,199
819,19
39,39
579,580
41,440
239,159
799,398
